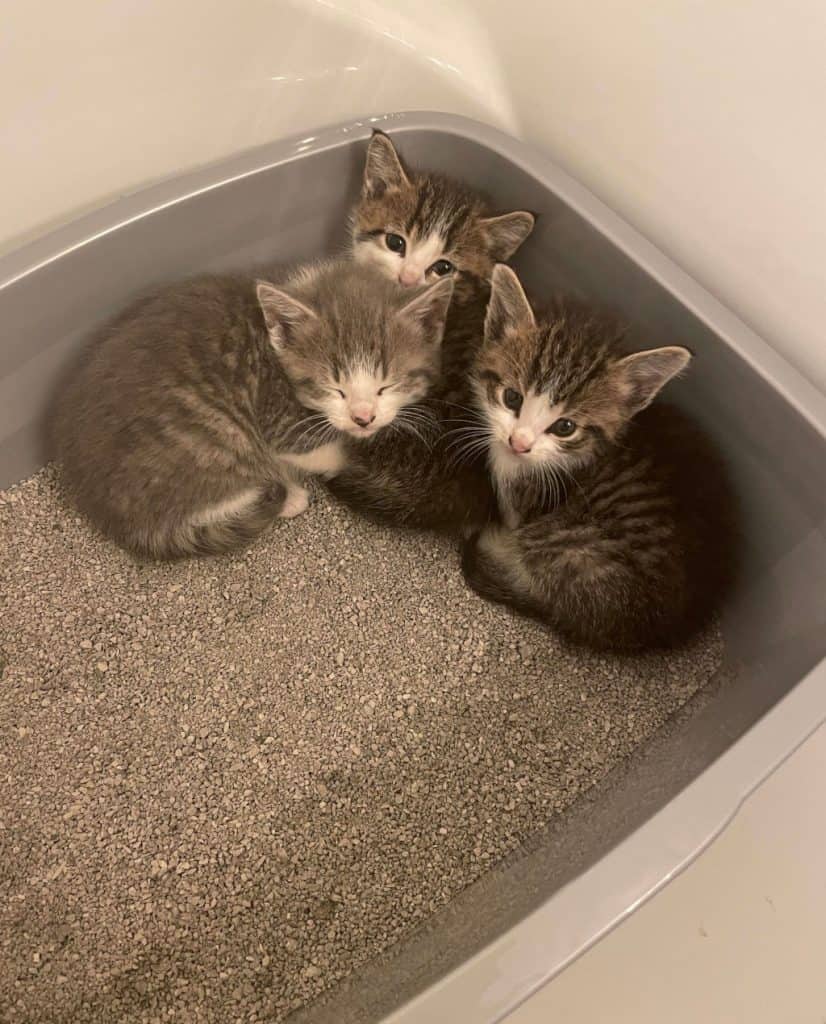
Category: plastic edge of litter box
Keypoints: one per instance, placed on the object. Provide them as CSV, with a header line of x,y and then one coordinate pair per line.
x,y
495,981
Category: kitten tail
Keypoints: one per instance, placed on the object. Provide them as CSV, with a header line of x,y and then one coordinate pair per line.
x,y
222,535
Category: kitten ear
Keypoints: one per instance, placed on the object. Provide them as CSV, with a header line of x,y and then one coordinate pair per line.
x,y
508,308
429,309
506,233
383,171
644,374
283,314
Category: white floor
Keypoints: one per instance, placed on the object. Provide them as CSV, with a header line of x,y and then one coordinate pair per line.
x,y
739,938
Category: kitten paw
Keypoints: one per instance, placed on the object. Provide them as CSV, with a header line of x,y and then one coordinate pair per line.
x,y
296,502
493,543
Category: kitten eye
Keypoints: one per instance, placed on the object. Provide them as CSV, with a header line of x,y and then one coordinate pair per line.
x,y
382,389
512,399
339,392
562,427
395,243
441,268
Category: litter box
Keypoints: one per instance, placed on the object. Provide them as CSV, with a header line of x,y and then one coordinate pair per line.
x,y
508,934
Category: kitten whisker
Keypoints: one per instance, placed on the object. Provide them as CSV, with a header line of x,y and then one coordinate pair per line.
x,y
564,469
467,450
456,405
424,416
467,434
407,426
311,420
317,434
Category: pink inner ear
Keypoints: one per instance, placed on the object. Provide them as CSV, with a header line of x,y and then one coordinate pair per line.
x,y
507,233
383,169
646,373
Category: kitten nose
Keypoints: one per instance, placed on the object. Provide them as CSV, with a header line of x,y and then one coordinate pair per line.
x,y
519,444
362,413
409,277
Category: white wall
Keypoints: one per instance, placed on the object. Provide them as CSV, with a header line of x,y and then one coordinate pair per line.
x,y
701,121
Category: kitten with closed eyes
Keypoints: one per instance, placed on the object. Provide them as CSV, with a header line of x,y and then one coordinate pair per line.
x,y
191,419
618,517
417,226
430,471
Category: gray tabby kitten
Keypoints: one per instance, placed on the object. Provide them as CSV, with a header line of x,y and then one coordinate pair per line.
x,y
417,226
433,473
618,513
190,421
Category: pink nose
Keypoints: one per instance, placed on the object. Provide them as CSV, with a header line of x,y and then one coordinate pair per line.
x,y
409,277
363,421
362,413
519,445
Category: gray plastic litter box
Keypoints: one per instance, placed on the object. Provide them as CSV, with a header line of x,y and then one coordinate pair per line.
x,y
505,936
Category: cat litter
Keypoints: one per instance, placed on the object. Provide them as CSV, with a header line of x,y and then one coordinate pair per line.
x,y
227,785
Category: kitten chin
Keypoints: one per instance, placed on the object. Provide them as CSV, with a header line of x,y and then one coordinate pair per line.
x,y
619,517
415,227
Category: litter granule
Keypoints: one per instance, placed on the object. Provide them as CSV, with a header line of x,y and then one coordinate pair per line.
x,y
227,784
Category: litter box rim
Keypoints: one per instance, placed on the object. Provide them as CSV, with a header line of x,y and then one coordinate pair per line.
x,y
491,984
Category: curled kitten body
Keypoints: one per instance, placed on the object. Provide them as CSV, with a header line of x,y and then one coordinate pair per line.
x,y
416,226
191,418
616,514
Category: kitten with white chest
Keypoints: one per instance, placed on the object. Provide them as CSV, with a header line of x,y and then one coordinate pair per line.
x,y
617,512
192,417
418,226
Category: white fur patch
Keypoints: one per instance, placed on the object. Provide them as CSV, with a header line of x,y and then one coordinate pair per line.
x,y
226,509
421,254
296,502
361,399
410,269
326,460
528,427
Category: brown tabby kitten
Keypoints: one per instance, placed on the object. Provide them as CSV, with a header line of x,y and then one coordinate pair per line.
x,y
417,226
617,513
189,422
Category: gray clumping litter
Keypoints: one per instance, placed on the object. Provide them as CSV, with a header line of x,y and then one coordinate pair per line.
x,y
225,785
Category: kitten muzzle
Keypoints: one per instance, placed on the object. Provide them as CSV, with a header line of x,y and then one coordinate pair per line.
x,y
410,277
362,413
520,442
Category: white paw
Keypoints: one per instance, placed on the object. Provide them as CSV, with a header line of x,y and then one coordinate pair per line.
x,y
296,502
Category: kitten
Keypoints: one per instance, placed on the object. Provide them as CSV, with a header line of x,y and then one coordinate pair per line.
x,y
430,470
617,513
190,421
416,227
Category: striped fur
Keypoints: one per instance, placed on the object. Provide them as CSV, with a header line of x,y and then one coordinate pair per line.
x,y
172,427
438,219
421,473
621,536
